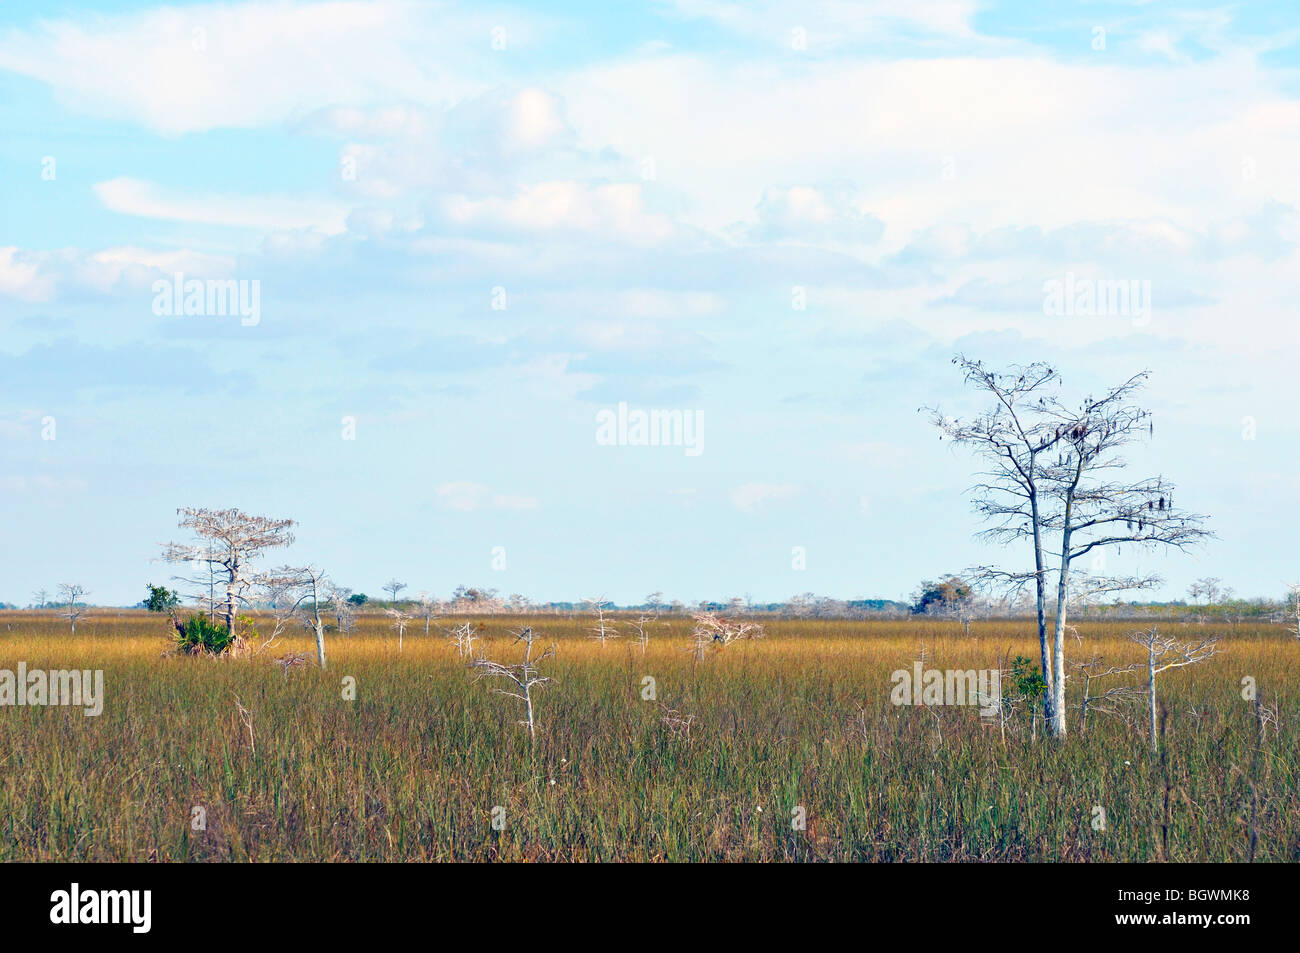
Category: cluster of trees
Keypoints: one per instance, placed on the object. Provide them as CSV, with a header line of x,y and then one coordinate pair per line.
x,y
222,557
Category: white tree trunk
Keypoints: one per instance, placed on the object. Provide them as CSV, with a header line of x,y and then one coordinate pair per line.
x,y
1040,594
230,598
1058,658
1151,693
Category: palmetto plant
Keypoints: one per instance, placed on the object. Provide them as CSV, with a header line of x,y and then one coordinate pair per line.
x,y
199,636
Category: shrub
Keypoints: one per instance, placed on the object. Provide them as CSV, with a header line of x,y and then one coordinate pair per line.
x,y
1028,681
161,599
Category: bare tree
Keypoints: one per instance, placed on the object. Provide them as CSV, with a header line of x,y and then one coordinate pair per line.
x,y
604,628
642,635
315,582
70,595
799,606
428,607
655,603
1293,608
393,587
282,593
231,540
1165,652
1207,588
400,621
344,614
1049,482
298,591
712,629
1102,700
524,675
463,637
40,597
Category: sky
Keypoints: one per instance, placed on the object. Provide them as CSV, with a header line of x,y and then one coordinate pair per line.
x,y
467,233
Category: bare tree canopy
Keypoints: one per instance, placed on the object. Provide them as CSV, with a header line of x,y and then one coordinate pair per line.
x,y
297,592
393,587
1165,652
70,596
1053,479
229,540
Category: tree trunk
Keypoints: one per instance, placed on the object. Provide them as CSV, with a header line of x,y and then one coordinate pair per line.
x,y
1058,660
233,569
318,625
1040,588
1151,690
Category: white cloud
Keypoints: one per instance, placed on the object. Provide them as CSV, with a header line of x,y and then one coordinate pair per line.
x,y
1056,142
751,495
196,68
804,212
21,275
835,23
467,497
266,212
43,275
534,120
381,122
614,211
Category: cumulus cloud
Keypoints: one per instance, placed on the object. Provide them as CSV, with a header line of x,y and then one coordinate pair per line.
x,y
614,211
811,214
195,68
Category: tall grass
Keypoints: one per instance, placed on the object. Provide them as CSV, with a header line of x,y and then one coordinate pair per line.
x,y
413,767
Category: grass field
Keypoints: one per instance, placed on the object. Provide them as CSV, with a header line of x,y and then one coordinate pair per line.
x,y
414,766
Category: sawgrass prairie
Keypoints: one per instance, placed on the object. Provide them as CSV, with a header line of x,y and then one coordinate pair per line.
x,y
783,748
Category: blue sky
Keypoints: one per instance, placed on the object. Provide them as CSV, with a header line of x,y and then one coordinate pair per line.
x,y
474,227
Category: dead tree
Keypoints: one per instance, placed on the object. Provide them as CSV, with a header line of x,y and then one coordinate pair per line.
x,y
1165,652
40,597
393,587
428,607
604,628
524,676
70,595
1293,609
463,637
1050,482
640,623
344,615
231,540
400,621
1102,700
714,631
297,592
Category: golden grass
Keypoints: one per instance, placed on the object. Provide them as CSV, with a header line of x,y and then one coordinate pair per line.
x,y
412,769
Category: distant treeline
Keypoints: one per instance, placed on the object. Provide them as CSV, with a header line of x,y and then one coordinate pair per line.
x,y
820,607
